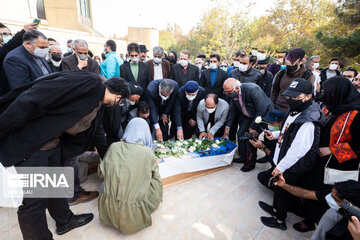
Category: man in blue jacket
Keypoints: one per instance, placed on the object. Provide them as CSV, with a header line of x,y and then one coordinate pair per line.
x,y
111,66
27,62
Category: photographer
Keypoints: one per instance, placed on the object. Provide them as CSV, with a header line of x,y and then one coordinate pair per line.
x,y
273,121
295,151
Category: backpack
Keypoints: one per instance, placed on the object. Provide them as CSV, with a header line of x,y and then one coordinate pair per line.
x,y
307,74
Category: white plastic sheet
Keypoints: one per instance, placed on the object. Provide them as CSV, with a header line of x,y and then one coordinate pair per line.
x,y
11,195
174,166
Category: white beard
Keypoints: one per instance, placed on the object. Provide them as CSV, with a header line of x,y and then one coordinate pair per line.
x,y
56,64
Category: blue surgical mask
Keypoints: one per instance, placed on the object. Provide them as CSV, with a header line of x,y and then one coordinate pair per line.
x,y
271,128
283,67
331,202
6,39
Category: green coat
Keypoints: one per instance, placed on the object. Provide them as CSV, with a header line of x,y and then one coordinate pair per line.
x,y
132,187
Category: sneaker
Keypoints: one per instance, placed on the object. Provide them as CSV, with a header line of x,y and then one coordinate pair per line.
x,y
267,208
273,223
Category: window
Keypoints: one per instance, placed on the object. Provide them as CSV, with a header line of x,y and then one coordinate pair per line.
x,y
37,9
84,8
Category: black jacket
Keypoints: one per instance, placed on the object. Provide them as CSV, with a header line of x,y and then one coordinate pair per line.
x,y
323,76
154,101
70,63
4,50
251,76
307,162
182,104
255,101
266,82
144,77
205,82
45,109
178,75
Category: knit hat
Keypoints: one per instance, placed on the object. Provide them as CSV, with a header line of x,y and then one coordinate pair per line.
x,y
295,54
191,86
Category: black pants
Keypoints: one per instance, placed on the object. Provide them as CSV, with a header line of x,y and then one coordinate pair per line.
x,y
32,214
164,129
187,129
78,190
243,145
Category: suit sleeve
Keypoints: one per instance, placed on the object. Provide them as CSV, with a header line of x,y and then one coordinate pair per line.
x,y
199,118
178,110
100,141
260,101
154,114
16,72
202,80
9,46
231,115
221,121
170,105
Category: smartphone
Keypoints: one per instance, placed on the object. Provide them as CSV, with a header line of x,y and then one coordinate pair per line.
x,y
37,21
273,179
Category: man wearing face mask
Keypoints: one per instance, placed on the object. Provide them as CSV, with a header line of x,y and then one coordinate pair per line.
x,y
69,49
184,71
110,67
295,68
80,59
135,71
161,96
245,72
211,110
159,67
236,61
313,64
350,73
331,71
266,76
55,58
187,100
199,63
212,79
296,148
8,43
27,62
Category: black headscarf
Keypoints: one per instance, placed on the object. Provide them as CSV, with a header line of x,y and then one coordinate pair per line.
x,y
340,95
172,60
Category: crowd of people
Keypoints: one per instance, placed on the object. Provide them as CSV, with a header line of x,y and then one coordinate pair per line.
x,y
61,109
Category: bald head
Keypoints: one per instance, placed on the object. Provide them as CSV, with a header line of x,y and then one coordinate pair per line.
x,y
211,100
230,85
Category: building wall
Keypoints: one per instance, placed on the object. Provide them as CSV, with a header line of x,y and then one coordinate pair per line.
x,y
146,36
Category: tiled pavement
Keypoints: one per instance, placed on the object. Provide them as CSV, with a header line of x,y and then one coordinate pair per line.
x,y
222,205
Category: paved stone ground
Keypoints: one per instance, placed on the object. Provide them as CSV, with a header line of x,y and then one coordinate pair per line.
x,y
222,205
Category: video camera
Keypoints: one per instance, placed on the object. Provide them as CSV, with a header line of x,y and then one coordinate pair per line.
x,y
248,136
348,210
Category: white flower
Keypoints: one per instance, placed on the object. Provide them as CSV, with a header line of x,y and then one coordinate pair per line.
x,y
258,119
214,145
191,149
217,142
207,149
179,144
161,146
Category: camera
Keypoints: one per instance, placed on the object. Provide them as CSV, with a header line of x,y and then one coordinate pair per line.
x,y
248,136
348,210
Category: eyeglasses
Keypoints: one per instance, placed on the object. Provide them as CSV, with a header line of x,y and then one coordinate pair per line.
x,y
6,34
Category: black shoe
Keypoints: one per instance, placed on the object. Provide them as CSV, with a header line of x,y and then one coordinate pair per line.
x,y
273,223
267,208
247,168
76,221
239,160
304,226
263,159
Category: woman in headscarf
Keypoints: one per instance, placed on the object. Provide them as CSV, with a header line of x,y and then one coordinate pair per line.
x,y
172,57
132,187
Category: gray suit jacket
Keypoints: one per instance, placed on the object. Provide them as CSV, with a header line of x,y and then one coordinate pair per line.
x,y
202,116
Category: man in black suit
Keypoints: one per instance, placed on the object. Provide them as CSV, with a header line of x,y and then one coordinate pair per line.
x,y
250,102
80,60
27,62
161,96
135,71
266,76
187,100
212,79
184,71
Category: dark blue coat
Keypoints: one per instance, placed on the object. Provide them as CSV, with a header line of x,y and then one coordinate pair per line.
x,y
21,68
154,100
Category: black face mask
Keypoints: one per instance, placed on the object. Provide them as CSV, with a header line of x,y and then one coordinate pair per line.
x,y
297,106
232,95
171,60
291,69
55,57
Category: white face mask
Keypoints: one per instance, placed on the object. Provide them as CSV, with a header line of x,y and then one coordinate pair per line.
x,y
213,66
224,68
41,52
236,64
6,39
333,67
210,110
190,98
132,102
316,66
184,63
243,68
134,60
163,98
199,66
331,202
157,60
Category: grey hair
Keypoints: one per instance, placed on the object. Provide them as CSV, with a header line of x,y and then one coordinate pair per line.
x,y
199,59
81,42
167,86
55,46
32,35
313,57
158,50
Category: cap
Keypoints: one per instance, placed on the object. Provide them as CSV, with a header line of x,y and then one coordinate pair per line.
x,y
191,86
201,56
135,89
274,116
297,87
263,61
143,48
